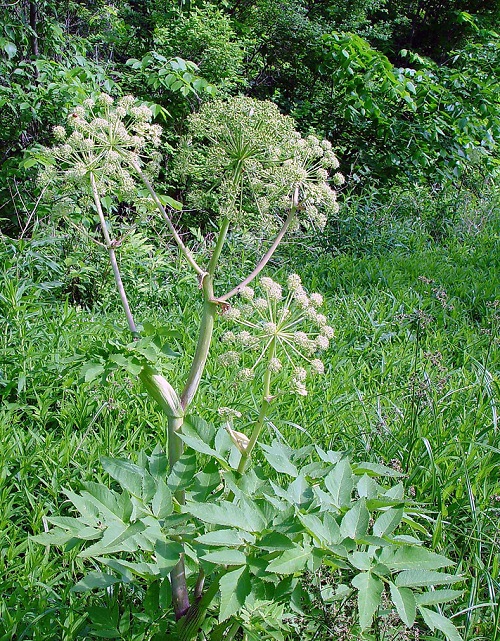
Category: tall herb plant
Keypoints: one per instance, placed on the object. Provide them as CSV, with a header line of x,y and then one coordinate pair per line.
x,y
222,543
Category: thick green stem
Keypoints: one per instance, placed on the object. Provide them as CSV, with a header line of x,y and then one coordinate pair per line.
x,y
264,409
204,341
218,247
112,258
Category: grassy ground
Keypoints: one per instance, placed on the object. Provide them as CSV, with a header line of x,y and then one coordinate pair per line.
x,y
412,380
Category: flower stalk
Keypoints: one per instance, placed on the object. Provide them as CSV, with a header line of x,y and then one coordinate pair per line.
x,y
112,257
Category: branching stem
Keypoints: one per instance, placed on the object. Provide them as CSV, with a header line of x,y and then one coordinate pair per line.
x,y
267,256
112,258
264,409
184,250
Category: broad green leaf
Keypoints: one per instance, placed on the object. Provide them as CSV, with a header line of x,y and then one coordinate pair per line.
x,y
275,541
54,537
228,556
299,492
223,513
367,487
413,558
278,457
404,600
183,472
104,499
435,597
339,483
376,469
129,475
116,538
387,522
91,371
437,621
94,580
333,528
158,463
316,528
221,538
168,554
234,588
424,578
370,590
361,560
354,525
162,501
129,568
290,561
86,508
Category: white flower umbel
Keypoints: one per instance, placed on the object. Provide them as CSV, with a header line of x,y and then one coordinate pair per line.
x,y
104,141
283,332
247,163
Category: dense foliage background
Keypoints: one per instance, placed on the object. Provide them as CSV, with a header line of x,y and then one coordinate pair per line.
x,y
408,92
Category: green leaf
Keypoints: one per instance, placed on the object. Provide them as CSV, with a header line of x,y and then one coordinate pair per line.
x,y
183,472
437,621
424,578
317,529
339,483
168,554
413,558
224,513
370,590
387,522
354,525
116,538
290,561
225,557
404,600
221,538
274,542
278,457
376,469
94,580
10,49
437,596
91,371
235,587
162,501
130,476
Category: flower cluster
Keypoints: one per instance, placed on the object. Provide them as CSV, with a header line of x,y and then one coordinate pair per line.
x,y
281,331
103,139
245,160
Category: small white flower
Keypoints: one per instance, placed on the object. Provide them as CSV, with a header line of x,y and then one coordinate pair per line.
x,y
232,313
338,179
261,304
229,358
270,328
247,293
246,374
59,132
300,374
316,299
228,338
318,366
322,342
294,282
328,331
275,365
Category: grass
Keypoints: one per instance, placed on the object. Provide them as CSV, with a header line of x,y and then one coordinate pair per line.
x,y
412,380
